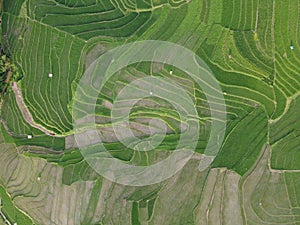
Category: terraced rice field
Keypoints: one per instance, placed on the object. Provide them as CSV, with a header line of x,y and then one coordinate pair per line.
x,y
251,47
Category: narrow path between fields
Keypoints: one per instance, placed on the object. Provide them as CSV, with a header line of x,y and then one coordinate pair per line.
x,y
4,217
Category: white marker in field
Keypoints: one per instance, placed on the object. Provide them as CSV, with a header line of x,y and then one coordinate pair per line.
x,y
39,179
225,93
292,47
50,75
171,71
29,136
151,93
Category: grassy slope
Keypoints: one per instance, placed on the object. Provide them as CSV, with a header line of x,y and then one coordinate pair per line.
x,y
11,212
284,137
251,79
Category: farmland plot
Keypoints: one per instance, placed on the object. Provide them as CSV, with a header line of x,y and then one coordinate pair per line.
x,y
253,51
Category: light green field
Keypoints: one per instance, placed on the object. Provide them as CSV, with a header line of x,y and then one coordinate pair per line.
x,y
251,47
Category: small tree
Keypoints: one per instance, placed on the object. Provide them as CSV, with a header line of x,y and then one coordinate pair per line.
x,y
8,71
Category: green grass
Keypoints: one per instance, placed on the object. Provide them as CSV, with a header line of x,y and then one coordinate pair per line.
x,y
248,49
281,103
20,129
93,202
13,6
135,214
16,124
47,99
292,181
289,123
246,44
286,35
151,205
238,15
286,153
39,140
12,213
89,21
284,137
80,171
240,151
271,197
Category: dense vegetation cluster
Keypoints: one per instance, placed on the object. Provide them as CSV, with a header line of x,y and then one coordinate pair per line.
x,y
8,71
